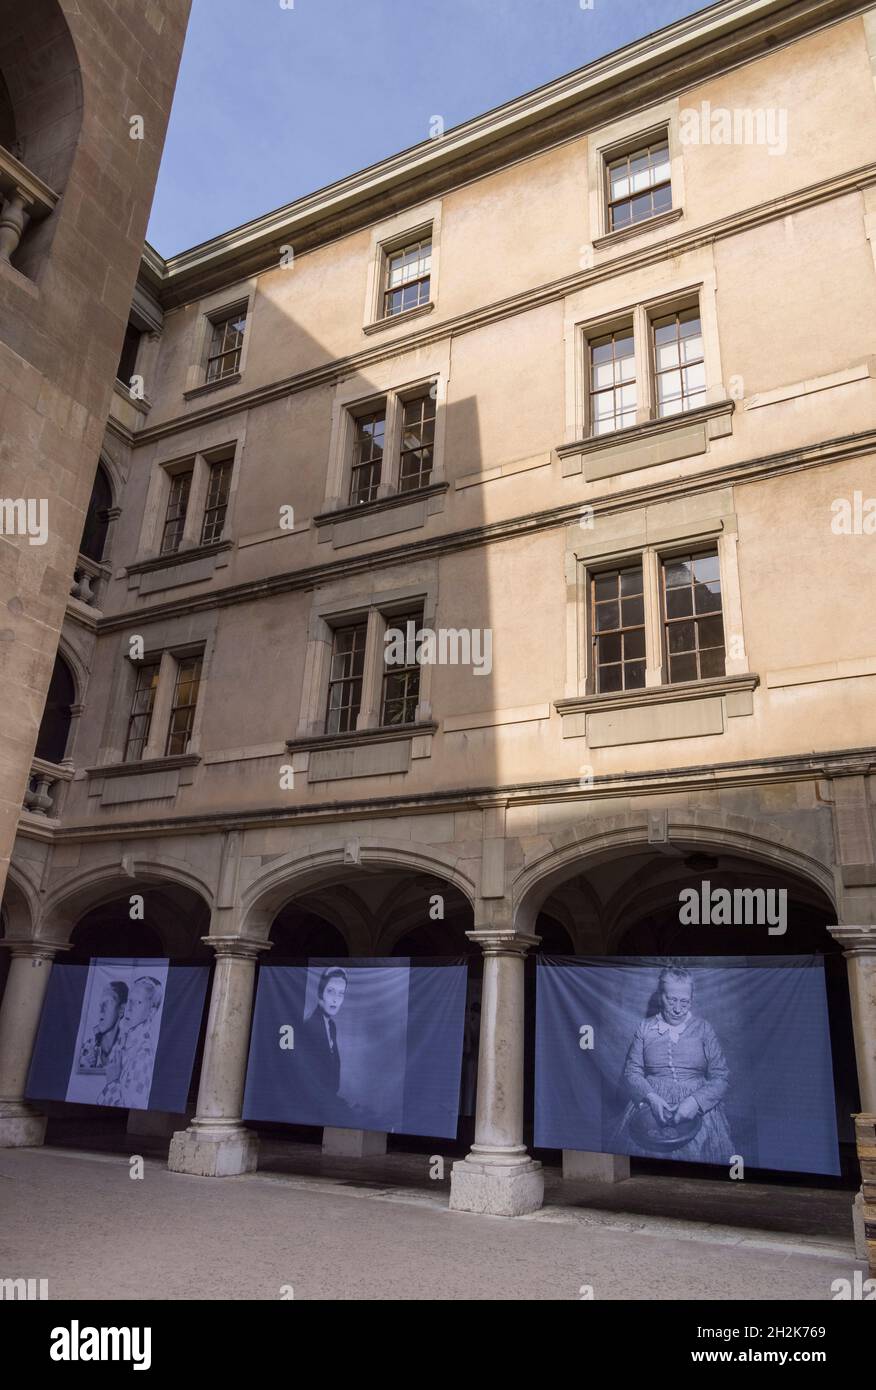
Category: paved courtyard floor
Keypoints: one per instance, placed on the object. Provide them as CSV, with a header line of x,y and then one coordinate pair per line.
x,y
79,1220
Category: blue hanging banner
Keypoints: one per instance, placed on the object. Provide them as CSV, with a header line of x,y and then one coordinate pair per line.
x,y
358,1044
120,1033
696,1059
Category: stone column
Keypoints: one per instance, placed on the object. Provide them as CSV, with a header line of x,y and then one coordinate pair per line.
x,y
498,1176
859,949
216,1143
21,1126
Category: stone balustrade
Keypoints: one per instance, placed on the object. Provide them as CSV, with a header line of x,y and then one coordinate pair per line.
x,y
23,198
45,784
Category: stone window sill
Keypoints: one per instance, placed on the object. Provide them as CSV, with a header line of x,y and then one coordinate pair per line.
x,y
179,557
622,234
204,390
144,765
310,743
652,442
122,390
381,504
379,324
662,713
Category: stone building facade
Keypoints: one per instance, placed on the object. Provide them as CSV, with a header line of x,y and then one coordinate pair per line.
x,y
586,390
85,93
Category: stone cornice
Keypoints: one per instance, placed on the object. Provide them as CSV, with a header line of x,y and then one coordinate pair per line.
x,y
660,64
329,373
794,460
787,768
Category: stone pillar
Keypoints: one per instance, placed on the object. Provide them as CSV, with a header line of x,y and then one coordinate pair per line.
x,y
21,1126
859,949
216,1143
498,1177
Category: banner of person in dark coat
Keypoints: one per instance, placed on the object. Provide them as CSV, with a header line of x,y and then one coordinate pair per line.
x,y
701,1060
119,1032
358,1044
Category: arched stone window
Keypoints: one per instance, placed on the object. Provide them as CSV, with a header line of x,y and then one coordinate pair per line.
x,y
55,725
96,519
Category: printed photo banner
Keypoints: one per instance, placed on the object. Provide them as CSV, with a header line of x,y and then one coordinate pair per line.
x,y
358,1044
701,1060
120,1033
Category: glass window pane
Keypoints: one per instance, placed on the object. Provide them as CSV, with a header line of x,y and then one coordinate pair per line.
x,y
631,582
679,603
634,644
634,675
632,611
609,648
607,616
610,678
712,662
683,668
711,632
677,571
706,569
681,637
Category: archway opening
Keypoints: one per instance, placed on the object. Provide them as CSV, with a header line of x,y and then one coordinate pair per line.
x,y
97,517
629,903
54,729
380,913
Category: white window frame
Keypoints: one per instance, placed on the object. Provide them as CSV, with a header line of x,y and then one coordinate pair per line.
x,y
210,311
169,660
624,137
155,511
581,331
388,236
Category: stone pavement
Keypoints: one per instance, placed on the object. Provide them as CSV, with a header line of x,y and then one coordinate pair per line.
x,y
79,1220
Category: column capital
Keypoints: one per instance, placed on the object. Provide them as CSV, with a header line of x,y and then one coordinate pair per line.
x,y
503,941
37,950
246,947
855,941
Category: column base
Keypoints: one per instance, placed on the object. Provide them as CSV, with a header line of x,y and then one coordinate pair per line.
x,y
594,1167
21,1127
214,1150
353,1143
496,1189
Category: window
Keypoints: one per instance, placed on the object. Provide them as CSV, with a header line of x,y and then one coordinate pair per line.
x,y
216,506
639,185
140,720
226,343
618,627
392,448
401,681
417,443
368,456
130,349
612,381
345,678
177,509
679,365
185,698
650,367
692,619
408,277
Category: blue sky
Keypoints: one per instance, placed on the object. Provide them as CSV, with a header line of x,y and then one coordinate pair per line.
x,y
275,102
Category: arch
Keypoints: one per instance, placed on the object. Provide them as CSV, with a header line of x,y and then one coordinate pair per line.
x,y
293,874
94,886
43,83
612,836
54,730
20,905
96,528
